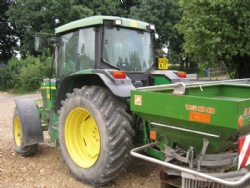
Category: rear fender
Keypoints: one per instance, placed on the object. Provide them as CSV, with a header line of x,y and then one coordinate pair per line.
x,y
30,120
119,87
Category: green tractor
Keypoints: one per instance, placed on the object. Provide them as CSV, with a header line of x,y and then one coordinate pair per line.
x,y
86,107
109,97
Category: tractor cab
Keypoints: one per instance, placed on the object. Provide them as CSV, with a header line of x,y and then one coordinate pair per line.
x,y
105,42
96,44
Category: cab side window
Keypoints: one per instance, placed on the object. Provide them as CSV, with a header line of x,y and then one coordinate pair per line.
x,y
68,54
86,49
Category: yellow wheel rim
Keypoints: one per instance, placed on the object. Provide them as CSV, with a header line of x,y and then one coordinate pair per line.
x,y
82,137
17,131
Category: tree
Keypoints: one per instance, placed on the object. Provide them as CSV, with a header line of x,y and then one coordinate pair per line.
x,y
126,5
164,14
111,8
30,17
8,39
216,31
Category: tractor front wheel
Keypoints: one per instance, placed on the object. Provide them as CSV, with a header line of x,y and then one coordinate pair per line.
x,y
94,135
19,137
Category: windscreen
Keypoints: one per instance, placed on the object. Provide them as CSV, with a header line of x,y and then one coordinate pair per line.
x,y
126,49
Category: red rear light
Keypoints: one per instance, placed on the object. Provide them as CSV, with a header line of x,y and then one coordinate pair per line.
x,y
181,74
119,74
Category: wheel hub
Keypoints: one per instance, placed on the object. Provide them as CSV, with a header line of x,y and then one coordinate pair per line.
x,y
82,137
17,131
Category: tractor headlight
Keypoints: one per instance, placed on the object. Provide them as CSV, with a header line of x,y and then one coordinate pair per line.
x,y
118,22
152,27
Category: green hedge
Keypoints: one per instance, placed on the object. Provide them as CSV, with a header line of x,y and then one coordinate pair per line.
x,y
25,75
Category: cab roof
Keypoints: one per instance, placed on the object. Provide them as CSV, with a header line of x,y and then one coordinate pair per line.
x,y
97,20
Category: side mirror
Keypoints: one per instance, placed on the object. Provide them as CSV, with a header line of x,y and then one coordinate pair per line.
x,y
42,41
39,43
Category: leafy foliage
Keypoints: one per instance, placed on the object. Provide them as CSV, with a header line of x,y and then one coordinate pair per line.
x,y
217,31
8,41
164,14
30,78
25,75
30,17
214,31
44,16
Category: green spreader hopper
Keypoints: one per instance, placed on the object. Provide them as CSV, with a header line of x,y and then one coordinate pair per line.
x,y
188,114
199,129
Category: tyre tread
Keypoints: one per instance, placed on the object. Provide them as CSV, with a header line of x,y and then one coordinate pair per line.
x,y
119,131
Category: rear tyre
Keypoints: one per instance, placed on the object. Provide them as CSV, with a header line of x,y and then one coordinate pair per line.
x,y
94,135
19,138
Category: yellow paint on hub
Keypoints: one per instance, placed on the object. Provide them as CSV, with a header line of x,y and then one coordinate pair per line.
x,y
17,131
82,137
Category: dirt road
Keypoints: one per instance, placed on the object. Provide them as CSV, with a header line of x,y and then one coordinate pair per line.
x,y
46,169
